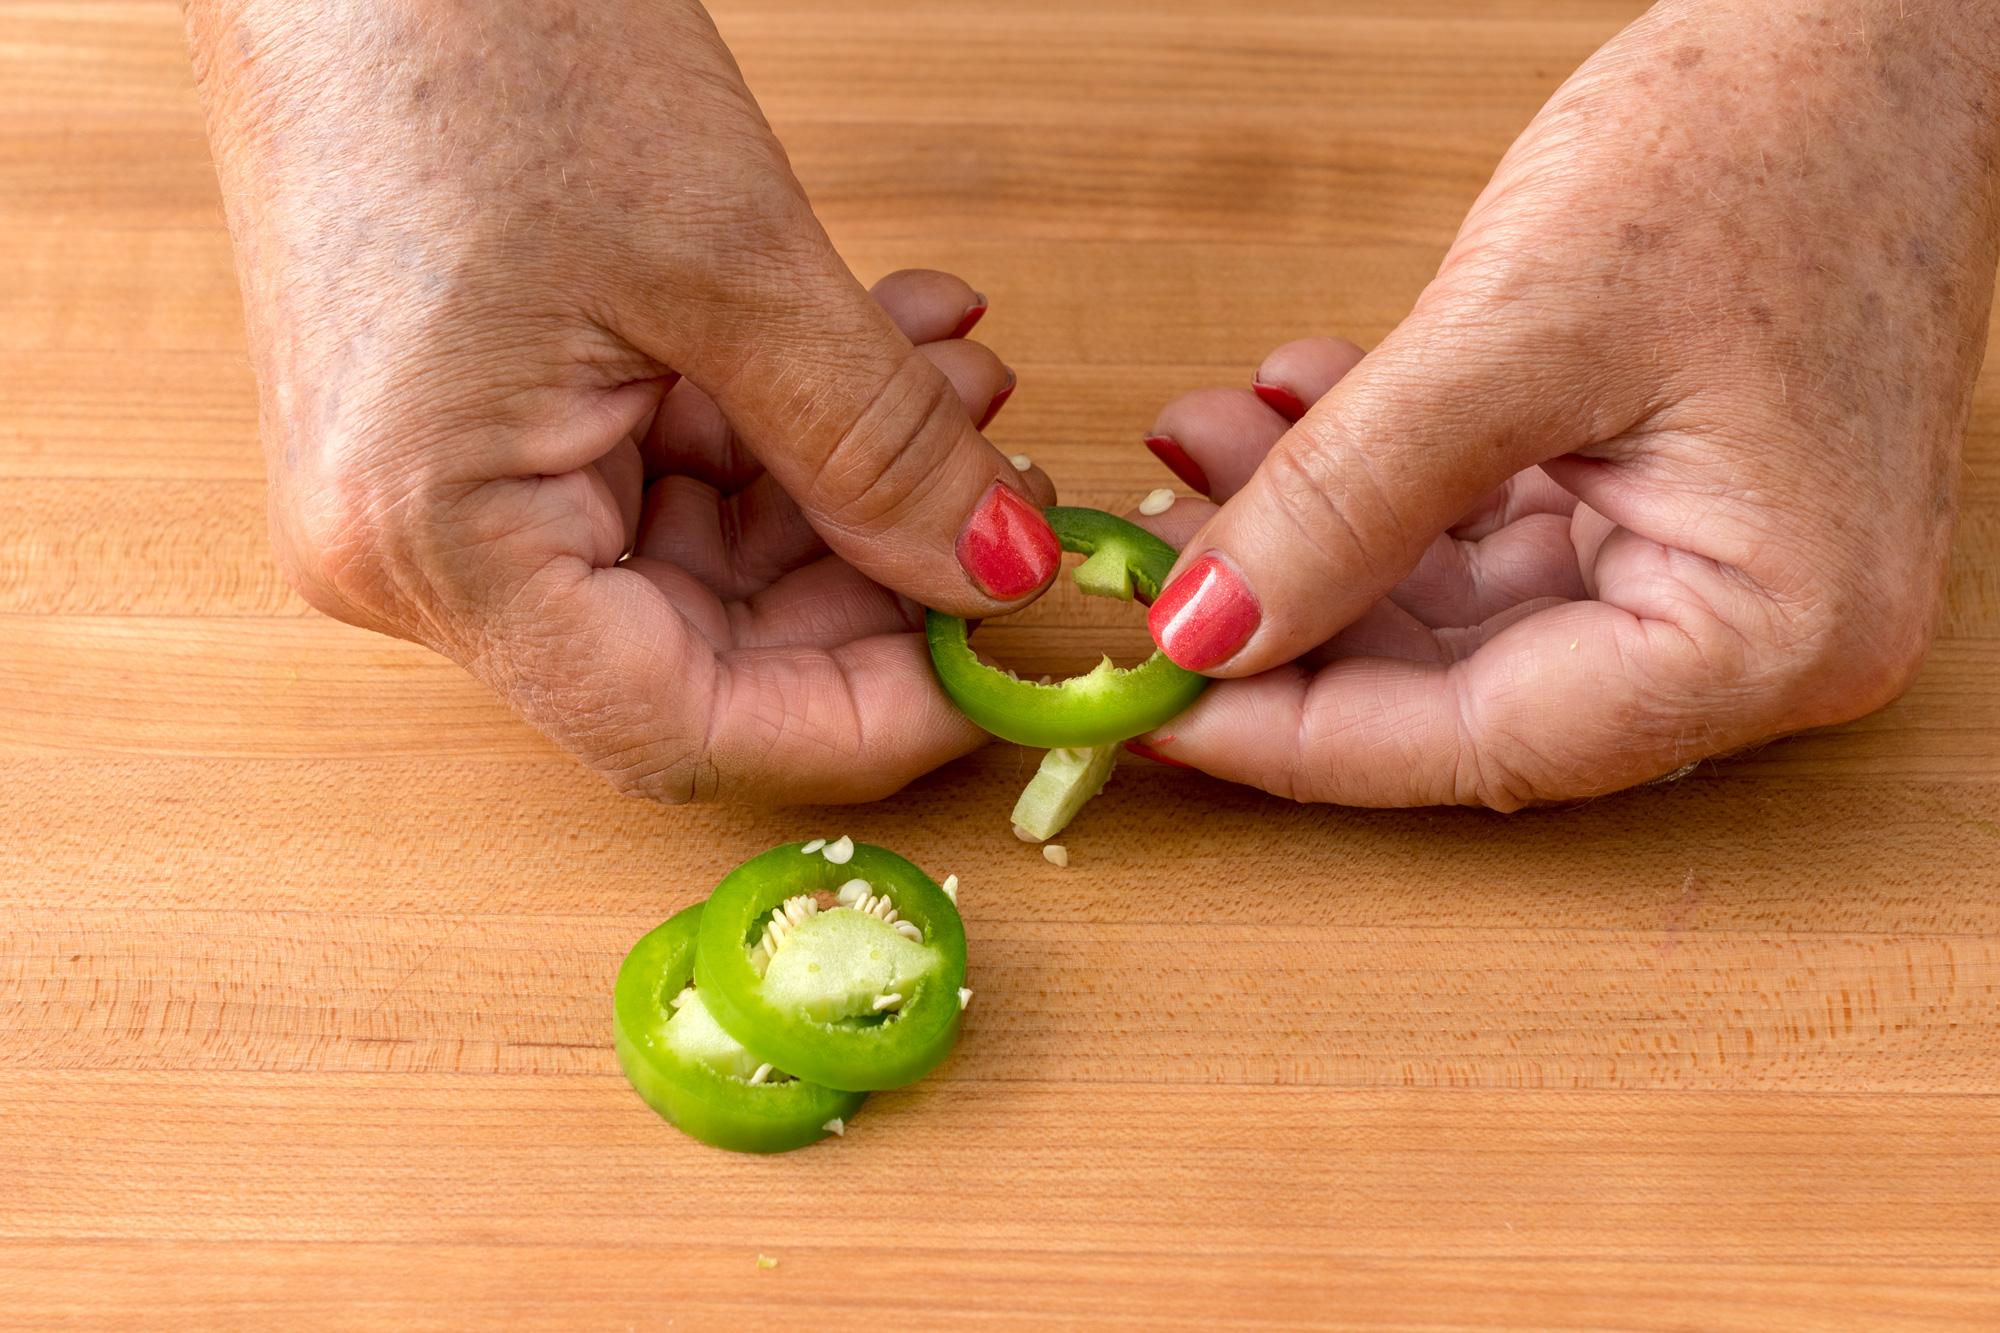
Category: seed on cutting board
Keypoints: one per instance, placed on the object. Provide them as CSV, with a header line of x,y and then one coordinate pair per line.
x,y
964,996
836,1126
950,887
1056,854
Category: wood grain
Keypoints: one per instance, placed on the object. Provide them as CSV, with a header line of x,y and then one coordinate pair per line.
x,y
305,943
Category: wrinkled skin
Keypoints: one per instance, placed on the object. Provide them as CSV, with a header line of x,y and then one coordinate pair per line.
x,y
1662,463
530,286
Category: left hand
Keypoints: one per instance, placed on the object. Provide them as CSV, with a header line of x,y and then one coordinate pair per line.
x,y
561,377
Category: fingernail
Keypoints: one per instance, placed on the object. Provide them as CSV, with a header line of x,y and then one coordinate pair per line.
x,y
1145,751
971,316
999,401
1280,399
1168,450
1007,546
1205,615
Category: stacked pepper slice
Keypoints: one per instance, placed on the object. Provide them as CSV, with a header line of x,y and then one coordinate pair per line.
x,y
815,973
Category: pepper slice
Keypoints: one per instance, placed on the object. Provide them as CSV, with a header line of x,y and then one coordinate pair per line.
x,y
1108,703
860,993
694,1073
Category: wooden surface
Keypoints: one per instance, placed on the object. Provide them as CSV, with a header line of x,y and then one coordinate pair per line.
x,y
306,945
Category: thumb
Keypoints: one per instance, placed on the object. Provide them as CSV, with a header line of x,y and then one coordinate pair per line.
x,y
1346,503
871,439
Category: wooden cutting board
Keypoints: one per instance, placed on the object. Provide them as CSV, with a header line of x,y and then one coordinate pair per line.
x,y
306,944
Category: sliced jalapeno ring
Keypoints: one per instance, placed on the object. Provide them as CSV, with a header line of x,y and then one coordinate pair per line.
x,y
845,973
694,1073
1108,703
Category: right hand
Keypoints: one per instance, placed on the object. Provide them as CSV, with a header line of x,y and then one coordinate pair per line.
x,y
530,289
1662,462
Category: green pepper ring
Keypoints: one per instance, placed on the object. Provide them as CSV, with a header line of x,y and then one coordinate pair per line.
x,y
856,1056
702,1101
1108,703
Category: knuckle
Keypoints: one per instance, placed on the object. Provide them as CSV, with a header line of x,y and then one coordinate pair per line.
x,y
925,283
1864,657
885,463
329,537
304,573
1198,406
1491,769
1329,506
679,777
1510,757
365,535
1856,630
556,679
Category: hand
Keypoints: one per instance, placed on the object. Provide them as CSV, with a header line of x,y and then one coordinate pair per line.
x,y
530,287
1662,464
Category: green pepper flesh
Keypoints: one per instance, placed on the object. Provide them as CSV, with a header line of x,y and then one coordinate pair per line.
x,y
837,962
1067,779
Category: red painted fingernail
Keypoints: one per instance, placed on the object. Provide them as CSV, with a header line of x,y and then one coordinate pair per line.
x,y
999,401
1168,450
1205,615
1007,546
1145,751
1280,399
971,316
